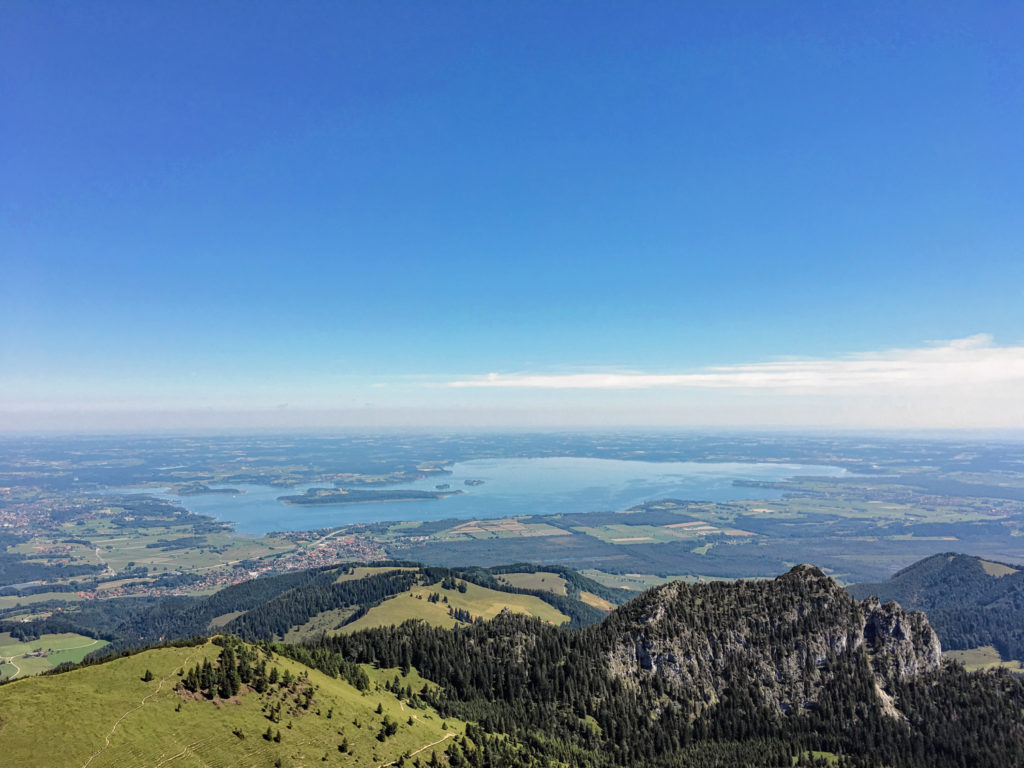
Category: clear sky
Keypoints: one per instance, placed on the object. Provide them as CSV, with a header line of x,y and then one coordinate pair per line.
x,y
518,213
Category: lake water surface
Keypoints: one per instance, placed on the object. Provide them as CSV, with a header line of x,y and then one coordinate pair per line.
x,y
510,487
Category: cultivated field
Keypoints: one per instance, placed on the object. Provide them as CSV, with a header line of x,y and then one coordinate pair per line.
x,y
16,601
21,659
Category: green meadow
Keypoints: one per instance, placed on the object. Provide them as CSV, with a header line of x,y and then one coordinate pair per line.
x,y
985,657
478,601
543,581
105,715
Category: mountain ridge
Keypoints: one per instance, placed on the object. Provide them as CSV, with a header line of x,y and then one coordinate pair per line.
x,y
721,673
817,614
743,673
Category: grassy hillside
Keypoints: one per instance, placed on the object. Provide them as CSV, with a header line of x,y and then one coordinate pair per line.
x,y
357,572
589,598
544,581
106,715
477,601
556,584
985,657
305,604
325,622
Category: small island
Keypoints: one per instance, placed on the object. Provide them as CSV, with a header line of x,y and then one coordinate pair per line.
x,y
316,497
474,482
443,486
201,489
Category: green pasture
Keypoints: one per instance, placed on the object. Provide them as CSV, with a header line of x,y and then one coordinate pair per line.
x,y
322,623
24,659
984,657
633,582
117,547
477,600
362,571
14,601
150,724
542,581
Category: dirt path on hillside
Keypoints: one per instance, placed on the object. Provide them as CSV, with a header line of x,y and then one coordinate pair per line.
x,y
10,660
190,748
425,746
106,740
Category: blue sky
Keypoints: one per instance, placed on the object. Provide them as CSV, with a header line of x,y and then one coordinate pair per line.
x,y
330,213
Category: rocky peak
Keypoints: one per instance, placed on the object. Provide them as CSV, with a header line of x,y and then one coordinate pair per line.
x,y
789,639
900,643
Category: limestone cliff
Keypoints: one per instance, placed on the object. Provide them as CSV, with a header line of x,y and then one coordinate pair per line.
x,y
787,641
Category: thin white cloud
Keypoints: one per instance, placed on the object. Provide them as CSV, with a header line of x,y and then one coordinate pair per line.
x,y
974,360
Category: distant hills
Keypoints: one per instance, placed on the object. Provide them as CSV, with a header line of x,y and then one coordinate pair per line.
x,y
302,605
970,602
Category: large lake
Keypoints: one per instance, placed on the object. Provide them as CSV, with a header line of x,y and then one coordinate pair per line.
x,y
510,487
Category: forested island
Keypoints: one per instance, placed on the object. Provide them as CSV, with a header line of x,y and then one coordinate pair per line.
x,y
201,489
316,497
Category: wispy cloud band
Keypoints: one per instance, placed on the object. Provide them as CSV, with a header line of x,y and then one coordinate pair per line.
x,y
974,360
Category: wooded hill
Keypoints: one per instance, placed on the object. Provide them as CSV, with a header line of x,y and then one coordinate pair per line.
x,y
269,608
970,602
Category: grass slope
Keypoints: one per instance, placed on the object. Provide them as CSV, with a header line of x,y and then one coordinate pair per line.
x,y
542,581
477,600
362,571
984,657
105,715
597,602
325,622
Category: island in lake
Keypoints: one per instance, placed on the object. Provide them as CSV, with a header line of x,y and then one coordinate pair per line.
x,y
200,489
324,496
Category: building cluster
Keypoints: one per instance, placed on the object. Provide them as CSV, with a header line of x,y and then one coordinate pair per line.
x,y
326,552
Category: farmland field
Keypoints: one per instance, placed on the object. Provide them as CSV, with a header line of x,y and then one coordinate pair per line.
x,y
30,658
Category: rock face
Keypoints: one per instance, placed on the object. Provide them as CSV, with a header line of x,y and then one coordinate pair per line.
x,y
788,641
901,644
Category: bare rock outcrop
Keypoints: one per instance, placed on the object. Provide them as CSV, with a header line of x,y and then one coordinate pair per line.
x,y
786,642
